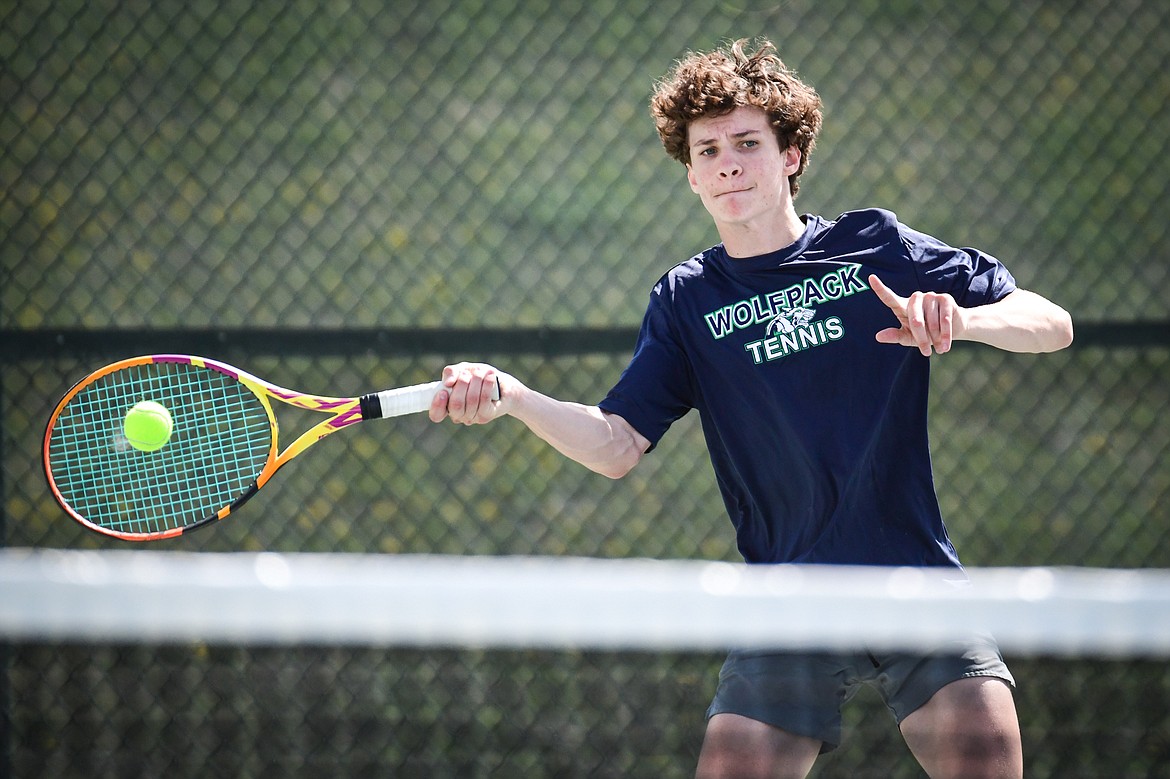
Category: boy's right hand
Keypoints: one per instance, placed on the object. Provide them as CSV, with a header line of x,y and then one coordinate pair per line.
x,y
468,399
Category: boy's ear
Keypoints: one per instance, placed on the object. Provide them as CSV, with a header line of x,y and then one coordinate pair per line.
x,y
691,178
791,160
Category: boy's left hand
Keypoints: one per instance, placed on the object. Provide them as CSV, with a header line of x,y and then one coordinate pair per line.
x,y
929,320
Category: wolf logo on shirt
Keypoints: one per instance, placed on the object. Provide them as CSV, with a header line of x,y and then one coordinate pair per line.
x,y
788,320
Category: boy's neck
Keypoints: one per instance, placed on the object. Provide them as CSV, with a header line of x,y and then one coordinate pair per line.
x,y
753,240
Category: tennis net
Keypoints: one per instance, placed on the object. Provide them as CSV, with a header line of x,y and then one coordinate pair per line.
x,y
149,663
545,602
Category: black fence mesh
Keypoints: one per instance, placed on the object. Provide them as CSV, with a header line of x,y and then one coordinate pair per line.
x,y
205,175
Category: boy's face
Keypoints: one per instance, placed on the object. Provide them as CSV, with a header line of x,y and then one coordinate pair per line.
x,y
737,168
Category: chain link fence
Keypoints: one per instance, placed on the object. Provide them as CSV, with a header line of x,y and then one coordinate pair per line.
x,y
245,179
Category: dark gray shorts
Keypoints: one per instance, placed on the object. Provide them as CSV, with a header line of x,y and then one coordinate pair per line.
x,y
803,692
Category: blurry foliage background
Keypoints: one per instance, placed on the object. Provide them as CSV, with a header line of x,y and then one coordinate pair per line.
x,y
201,166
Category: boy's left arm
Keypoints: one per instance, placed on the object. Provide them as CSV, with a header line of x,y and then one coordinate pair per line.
x,y
931,321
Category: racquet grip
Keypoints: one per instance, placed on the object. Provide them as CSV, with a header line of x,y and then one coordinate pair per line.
x,y
406,400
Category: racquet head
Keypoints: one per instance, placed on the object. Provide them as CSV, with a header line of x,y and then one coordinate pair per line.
x,y
222,447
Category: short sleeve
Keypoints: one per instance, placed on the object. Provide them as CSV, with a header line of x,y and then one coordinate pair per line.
x,y
656,388
970,276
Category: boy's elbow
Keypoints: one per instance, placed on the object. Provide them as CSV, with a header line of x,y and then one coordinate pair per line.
x,y
618,467
1062,333
1067,332
625,449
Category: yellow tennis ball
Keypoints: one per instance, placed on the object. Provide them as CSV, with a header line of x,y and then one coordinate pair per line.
x,y
148,426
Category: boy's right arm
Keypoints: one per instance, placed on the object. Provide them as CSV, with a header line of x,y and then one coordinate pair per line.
x,y
604,443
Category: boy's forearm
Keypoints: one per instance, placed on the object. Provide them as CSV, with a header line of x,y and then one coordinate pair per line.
x,y
1021,322
602,442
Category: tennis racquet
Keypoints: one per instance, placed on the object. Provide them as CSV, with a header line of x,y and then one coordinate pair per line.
x,y
222,448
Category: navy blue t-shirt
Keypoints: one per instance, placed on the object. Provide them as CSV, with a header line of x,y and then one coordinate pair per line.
x,y
817,432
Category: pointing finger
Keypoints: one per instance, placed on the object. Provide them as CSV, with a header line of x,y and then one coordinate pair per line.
x,y
886,295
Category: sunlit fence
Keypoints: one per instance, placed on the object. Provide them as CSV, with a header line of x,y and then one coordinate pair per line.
x,y
343,197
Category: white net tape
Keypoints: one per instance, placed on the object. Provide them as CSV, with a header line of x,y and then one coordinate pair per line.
x,y
544,602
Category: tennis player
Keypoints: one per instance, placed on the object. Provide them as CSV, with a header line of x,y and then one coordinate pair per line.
x,y
804,343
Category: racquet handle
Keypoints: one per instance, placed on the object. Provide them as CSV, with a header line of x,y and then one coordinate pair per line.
x,y
406,400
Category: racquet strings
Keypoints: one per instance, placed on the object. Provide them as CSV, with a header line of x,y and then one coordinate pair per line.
x,y
221,441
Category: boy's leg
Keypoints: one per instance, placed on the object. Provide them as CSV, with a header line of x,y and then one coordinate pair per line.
x,y
968,728
737,746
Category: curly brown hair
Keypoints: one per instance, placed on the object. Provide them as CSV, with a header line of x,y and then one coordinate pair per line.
x,y
717,82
